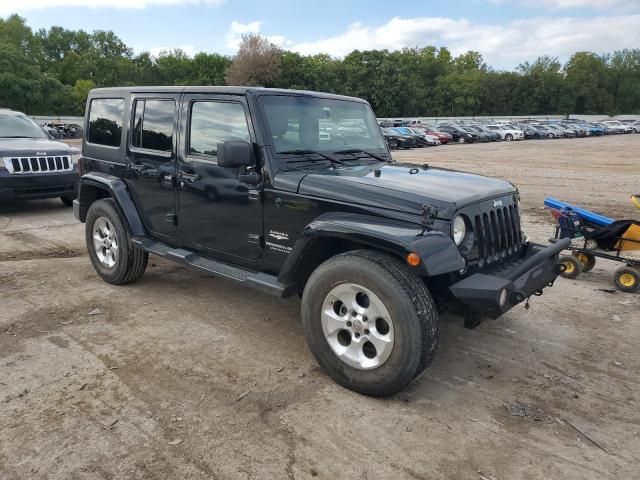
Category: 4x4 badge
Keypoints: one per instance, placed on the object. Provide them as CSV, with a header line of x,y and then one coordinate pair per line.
x,y
497,203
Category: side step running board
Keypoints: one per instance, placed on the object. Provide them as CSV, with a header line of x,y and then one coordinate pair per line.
x,y
260,281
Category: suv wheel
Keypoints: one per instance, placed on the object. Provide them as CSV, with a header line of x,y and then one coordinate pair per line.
x,y
369,321
112,254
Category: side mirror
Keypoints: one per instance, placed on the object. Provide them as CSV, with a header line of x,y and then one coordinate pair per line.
x,y
234,154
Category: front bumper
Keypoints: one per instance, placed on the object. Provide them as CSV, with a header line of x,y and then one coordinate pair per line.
x,y
494,293
44,185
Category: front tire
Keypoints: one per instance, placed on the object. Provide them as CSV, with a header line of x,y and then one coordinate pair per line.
x,y
508,137
572,267
369,321
112,254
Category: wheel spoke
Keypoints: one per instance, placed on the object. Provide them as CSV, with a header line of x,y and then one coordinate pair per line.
x,y
381,342
354,352
331,322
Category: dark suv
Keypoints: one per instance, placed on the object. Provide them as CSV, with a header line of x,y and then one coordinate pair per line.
x,y
295,193
32,164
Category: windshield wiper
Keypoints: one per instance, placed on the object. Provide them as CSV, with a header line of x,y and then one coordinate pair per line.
x,y
357,150
311,152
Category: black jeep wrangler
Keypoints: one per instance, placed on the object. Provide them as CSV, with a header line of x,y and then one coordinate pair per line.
x,y
295,193
32,164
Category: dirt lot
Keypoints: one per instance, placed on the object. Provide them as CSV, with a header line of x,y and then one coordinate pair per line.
x,y
186,376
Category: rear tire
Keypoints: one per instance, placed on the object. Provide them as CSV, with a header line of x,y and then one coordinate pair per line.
x,y
112,254
587,260
627,279
375,284
572,267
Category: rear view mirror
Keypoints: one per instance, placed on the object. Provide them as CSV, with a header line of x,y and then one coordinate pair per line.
x,y
234,154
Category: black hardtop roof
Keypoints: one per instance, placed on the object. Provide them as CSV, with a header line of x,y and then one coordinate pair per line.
x,y
217,90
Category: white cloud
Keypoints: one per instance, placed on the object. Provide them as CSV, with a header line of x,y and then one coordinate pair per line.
x,y
237,29
11,6
566,4
502,45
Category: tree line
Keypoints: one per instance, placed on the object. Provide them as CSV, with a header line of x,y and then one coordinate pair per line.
x,y
50,72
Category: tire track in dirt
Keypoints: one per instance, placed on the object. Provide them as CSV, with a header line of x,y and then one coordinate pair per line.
x,y
37,248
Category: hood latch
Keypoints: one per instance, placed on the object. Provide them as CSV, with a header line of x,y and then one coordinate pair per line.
x,y
429,214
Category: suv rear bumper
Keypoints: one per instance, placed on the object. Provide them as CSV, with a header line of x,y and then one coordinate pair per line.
x,y
47,185
493,294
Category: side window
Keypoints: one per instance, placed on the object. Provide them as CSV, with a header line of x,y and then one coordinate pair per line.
x,y
105,121
153,124
215,122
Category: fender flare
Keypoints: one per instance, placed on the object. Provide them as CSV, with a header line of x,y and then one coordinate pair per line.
x,y
437,251
118,190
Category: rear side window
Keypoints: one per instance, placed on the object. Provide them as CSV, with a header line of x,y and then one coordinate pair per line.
x,y
213,123
105,121
153,124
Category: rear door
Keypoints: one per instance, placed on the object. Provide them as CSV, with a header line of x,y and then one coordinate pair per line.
x,y
151,160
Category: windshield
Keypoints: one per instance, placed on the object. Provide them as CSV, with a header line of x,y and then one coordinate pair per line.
x,y
19,126
300,123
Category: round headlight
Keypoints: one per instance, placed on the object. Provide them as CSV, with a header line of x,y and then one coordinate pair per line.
x,y
459,229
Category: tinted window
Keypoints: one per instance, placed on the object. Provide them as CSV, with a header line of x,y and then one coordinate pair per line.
x,y
213,123
105,121
153,125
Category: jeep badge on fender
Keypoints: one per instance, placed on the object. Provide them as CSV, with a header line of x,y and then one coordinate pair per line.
x,y
295,193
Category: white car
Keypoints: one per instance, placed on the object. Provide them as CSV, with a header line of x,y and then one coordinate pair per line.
x,y
507,133
617,125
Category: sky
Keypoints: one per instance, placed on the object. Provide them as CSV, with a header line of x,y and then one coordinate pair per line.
x,y
505,32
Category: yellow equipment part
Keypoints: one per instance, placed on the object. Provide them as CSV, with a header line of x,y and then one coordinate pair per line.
x,y
630,239
635,199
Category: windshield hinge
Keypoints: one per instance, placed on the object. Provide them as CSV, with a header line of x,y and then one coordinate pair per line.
x,y
429,214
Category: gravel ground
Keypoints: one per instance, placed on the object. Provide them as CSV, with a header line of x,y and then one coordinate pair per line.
x,y
182,375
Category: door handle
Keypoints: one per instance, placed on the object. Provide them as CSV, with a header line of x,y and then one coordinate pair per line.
x,y
136,167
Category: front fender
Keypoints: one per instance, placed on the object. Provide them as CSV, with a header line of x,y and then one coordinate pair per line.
x,y
437,251
117,189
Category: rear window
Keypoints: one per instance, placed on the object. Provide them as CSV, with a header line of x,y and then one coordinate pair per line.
x,y
105,121
153,125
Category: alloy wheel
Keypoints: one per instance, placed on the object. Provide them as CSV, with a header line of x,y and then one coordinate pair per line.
x,y
105,242
357,326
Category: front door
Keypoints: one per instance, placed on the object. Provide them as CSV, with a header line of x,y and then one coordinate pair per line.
x,y
151,163
217,211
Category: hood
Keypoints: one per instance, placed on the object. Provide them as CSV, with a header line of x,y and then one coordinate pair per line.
x,y
401,187
34,146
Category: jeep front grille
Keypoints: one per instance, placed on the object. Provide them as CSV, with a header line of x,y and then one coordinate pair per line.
x,y
498,233
20,165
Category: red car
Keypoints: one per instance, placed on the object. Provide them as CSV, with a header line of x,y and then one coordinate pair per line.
x,y
442,136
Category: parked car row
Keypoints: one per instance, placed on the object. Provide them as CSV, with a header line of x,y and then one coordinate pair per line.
x,y
63,130
410,134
